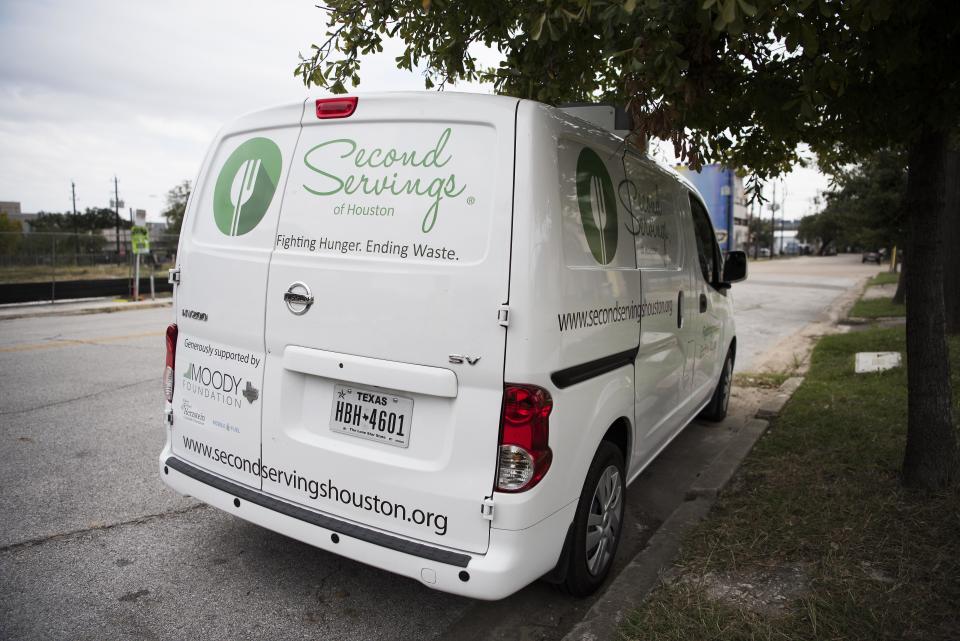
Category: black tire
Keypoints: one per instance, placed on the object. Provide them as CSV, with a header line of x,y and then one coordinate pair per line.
x,y
716,411
588,568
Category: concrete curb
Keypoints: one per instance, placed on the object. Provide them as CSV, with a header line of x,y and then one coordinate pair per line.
x,y
82,311
725,465
643,572
773,407
856,321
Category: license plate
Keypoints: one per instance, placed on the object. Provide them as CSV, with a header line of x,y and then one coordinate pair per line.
x,y
370,414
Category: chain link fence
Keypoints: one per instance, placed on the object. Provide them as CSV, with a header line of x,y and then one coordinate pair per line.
x,y
52,266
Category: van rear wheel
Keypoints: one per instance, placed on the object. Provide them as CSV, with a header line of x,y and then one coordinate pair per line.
x,y
716,411
598,523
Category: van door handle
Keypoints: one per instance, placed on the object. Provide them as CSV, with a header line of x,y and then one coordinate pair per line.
x,y
703,303
680,310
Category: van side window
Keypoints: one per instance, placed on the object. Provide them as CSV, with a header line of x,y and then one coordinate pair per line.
x,y
592,214
707,250
652,216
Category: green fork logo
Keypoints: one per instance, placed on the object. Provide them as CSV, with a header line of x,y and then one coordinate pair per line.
x,y
246,185
598,206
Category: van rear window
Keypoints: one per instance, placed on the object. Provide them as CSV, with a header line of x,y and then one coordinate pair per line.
x,y
397,191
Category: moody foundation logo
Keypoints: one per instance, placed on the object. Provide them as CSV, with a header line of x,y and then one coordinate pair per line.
x,y
246,185
213,384
250,393
598,206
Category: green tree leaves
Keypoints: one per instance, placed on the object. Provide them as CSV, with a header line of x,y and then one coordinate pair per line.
x,y
865,208
741,82
176,206
92,219
10,233
730,13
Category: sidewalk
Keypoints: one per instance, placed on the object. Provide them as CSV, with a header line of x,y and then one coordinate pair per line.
x,y
77,307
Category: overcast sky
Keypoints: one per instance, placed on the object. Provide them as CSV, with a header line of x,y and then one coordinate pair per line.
x,y
93,89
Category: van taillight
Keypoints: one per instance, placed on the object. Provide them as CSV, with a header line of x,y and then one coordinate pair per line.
x,y
336,107
168,370
525,430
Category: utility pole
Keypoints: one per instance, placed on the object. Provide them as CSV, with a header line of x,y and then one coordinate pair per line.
x,y
783,215
76,229
116,210
773,222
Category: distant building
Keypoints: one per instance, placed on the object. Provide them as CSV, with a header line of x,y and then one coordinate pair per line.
x,y
785,242
12,209
157,229
722,191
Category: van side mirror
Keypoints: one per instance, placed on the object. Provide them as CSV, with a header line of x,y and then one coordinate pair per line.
x,y
735,267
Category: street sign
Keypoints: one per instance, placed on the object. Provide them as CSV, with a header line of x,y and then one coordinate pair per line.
x,y
140,240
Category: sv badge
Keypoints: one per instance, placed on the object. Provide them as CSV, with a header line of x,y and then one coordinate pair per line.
x,y
457,359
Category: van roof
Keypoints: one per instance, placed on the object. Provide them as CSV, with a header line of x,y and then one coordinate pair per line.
x,y
437,96
383,95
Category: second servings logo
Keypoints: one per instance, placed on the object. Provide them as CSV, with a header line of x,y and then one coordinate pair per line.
x,y
246,185
598,205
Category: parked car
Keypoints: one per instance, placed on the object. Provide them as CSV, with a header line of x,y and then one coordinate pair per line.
x,y
872,257
408,331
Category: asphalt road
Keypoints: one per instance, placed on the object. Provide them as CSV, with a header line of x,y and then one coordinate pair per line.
x,y
781,297
93,545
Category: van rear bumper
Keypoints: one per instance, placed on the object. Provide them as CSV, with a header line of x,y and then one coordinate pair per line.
x,y
514,558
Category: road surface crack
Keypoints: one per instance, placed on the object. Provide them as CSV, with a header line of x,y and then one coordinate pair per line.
x,y
78,398
62,536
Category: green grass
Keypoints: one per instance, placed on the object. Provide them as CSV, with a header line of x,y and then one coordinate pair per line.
x,y
877,308
820,492
44,273
884,278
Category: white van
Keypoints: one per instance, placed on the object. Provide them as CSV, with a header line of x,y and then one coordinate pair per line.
x,y
440,333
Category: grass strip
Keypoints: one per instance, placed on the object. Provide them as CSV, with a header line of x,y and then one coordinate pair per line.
x,y
877,308
46,273
884,278
815,538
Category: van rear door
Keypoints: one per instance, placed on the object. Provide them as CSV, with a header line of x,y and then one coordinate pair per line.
x,y
223,259
384,364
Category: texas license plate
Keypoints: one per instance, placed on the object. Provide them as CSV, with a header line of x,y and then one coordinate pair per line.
x,y
371,414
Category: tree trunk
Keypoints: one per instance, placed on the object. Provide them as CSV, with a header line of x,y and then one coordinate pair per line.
x,y
951,264
931,460
900,296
